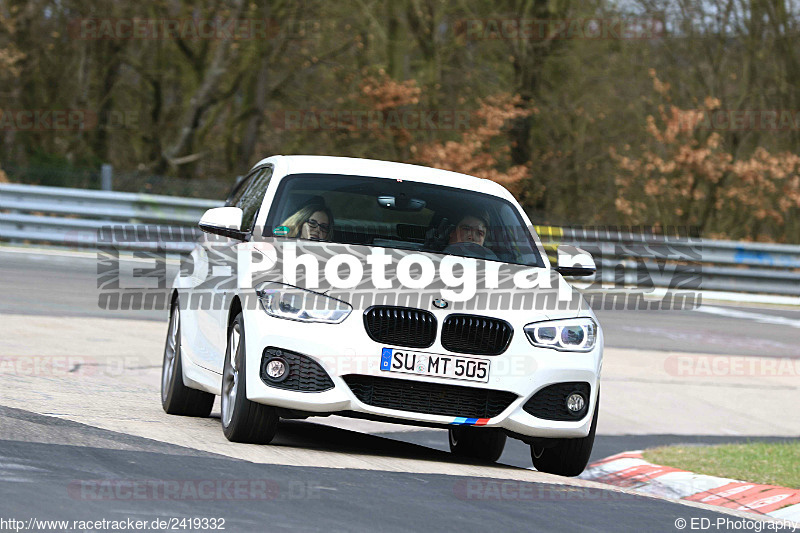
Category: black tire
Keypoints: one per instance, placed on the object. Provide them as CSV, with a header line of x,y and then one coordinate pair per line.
x,y
566,457
177,398
484,444
243,420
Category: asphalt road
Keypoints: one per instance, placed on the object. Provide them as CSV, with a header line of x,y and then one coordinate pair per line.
x,y
84,473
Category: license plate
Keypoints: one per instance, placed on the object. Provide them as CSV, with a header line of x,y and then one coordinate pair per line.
x,y
431,364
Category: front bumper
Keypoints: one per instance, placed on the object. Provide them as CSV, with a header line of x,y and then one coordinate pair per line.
x,y
345,350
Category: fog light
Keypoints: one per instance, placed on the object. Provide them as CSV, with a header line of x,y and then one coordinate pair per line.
x,y
277,369
575,403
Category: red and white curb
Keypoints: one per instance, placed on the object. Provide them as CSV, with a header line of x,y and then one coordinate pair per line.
x,y
631,471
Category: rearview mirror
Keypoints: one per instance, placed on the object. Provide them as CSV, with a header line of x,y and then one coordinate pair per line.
x,y
225,221
574,261
401,203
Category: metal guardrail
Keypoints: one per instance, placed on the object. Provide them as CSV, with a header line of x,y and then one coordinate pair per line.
x,y
624,259
78,217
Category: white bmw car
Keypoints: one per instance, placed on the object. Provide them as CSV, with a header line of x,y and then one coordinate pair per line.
x,y
390,292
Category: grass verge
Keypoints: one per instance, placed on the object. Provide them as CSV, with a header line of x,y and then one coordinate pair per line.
x,y
757,462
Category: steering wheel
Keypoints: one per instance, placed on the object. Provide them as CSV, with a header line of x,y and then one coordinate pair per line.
x,y
470,249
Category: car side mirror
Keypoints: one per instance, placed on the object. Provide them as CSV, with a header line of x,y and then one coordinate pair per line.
x,y
225,221
574,261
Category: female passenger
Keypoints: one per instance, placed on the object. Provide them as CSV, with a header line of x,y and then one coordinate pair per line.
x,y
313,222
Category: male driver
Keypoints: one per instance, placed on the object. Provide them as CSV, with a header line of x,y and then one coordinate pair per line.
x,y
469,229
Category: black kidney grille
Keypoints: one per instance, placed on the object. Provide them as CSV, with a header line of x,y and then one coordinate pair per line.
x,y
305,374
550,403
477,335
429,398
401,326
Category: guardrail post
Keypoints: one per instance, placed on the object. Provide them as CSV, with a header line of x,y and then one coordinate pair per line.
x,y
608,271
106,173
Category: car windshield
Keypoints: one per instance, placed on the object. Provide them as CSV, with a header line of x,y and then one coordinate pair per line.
x,y
393,213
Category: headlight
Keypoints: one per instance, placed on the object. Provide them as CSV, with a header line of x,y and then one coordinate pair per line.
x,y
570,335
285,301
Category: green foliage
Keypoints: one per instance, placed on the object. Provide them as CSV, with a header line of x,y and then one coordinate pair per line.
x,y
54,170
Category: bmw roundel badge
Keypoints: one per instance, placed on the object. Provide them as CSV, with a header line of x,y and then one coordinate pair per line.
x,y
440,303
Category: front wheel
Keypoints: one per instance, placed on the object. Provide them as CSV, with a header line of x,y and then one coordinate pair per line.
x,y
566,457
177,398
243,420
484,444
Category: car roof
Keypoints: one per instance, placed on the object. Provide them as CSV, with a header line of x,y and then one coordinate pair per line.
x,y
351,166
